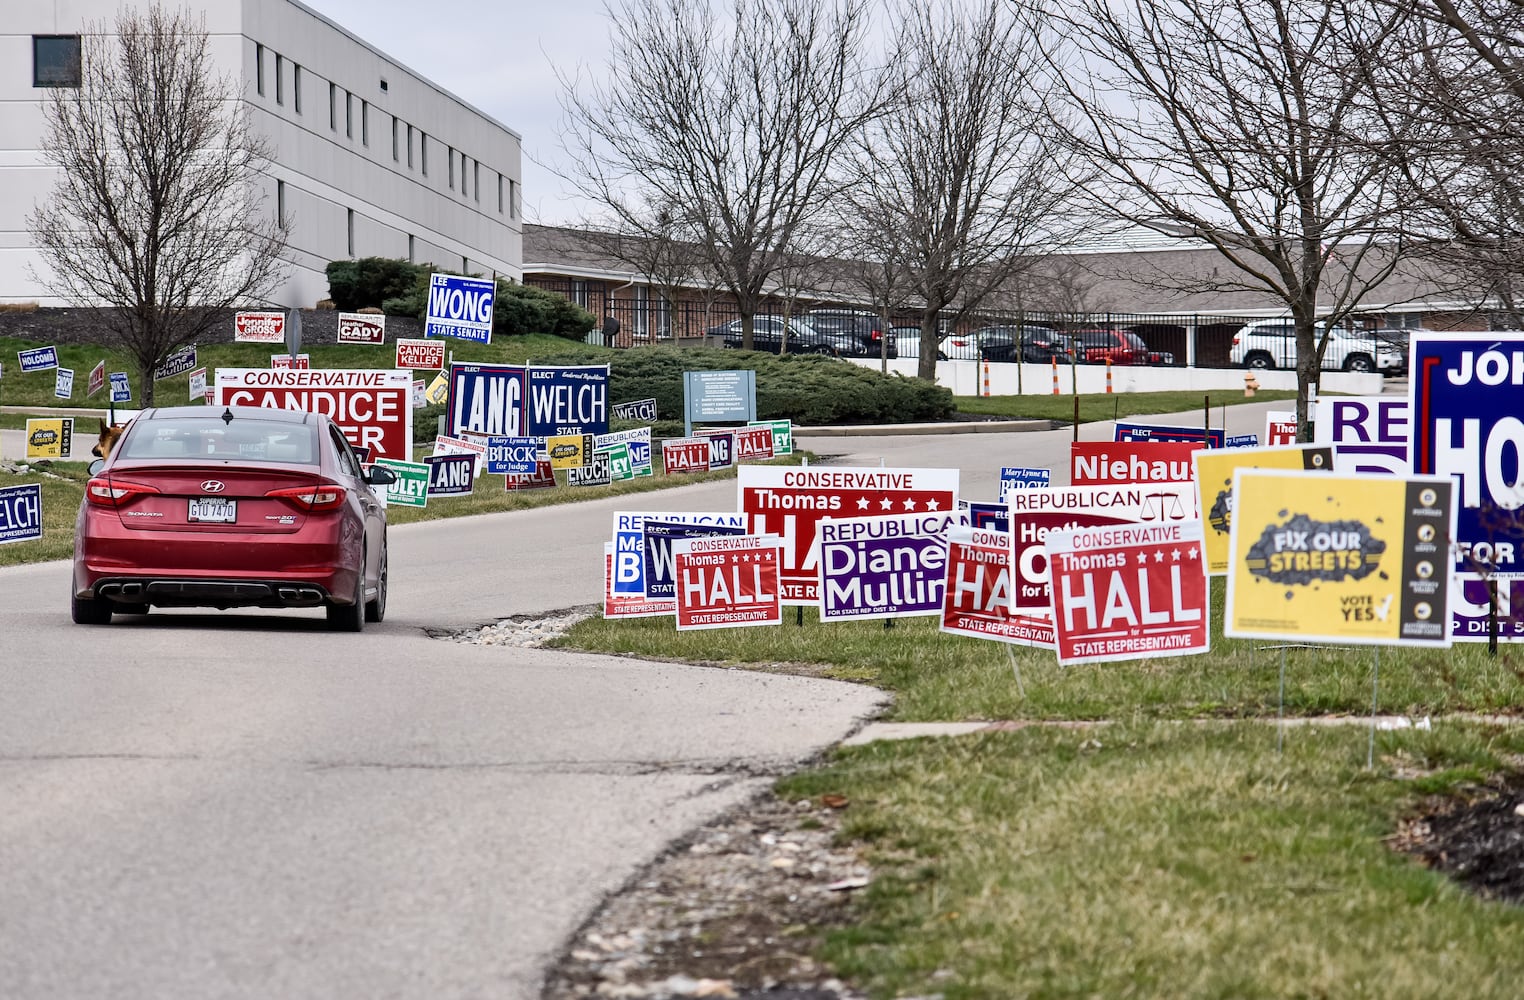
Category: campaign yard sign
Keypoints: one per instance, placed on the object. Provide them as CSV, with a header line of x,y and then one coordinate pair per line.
x,y
420,400
300,361
197,386
637,440
570,399
621,468
1128,591
1015,477
372,407
517,455
660,573
97,380
1368,433
569,451
783,434
687,454
1331,557
446,445
1470,602
20,513
727,582
63,383
451,475
49,438
486,399
790,501
753,444
259,327
412,486
38,359
883,567
1280,427
460,307
426,354
639,409
361,328
1216,437
722,448
1214,487
1036,512
617,605
439,389
629,544
977,594
599,471
121,388
989,516
176,363
542,478
1111,463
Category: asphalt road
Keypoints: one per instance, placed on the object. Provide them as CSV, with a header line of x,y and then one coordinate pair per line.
x,y
245,805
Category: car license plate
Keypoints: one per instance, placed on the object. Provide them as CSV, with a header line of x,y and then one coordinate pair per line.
x,y
213,509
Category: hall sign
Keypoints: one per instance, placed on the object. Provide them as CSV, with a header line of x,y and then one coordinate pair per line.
x,y
372,407
727,582
977,595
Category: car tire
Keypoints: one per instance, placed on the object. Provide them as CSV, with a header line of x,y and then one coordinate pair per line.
x,y
350,617
1259,360
89,610
375,610
1359,363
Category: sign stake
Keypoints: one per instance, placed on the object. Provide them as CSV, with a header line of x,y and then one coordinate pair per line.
x,y
1280,708
1206,426
1015,669
1076,415
1370,749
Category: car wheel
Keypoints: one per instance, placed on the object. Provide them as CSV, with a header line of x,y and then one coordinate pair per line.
x,y
1260,360
350,617
376,610
1359,363
89,610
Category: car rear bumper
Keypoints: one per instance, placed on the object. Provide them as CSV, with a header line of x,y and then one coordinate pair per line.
x,y
201,593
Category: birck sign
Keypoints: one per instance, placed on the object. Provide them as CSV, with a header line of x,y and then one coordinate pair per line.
x,y
727,582
259,327
63,383
121,387
1128,591
451,475
517,455
361,328
20,513
1369,433
460,307
1111,463
1329,557
1020,478
617,605
1215,438
570,399
372,407
660,574
1214,487
412,486
486,399
629,544
177,363
426,354
977,593
789,501
1036,512
38,359
883,567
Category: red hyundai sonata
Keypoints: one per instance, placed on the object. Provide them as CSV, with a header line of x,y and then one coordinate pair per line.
x,y
242,507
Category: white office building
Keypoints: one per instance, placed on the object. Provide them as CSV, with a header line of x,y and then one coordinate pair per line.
x,y
370,159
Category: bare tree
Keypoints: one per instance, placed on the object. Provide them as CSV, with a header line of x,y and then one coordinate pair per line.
x,y
1244,124
961,172
156,223
737,120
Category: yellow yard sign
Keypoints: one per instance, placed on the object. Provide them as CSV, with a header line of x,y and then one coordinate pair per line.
x,y
49,438
1214,487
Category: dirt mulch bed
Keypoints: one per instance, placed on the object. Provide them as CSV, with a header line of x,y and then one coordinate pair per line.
x,y
1478,840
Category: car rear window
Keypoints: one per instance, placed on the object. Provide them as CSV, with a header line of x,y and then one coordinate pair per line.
x,y
1134,341
197,437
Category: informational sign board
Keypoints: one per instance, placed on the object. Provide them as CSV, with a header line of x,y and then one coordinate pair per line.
x,y
719,397
451,475
259,327
38,359
783,434
412,486
686,454
460,307
617,605
727,582
569,451
1214,487
372,407
569,399
660,573
977,595
197,386
790,501
1016,477
1113,463
1327,557
361,328
517,455
637,440
599,471
426,354
300,362
639,409
883,567
176,363
629,543
63,383
1035,512
1129,591
1127,431
1280,427
486,399
20,513
1368,433
49,438
97,380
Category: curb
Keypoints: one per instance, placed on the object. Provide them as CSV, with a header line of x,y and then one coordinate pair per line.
x,y
953,427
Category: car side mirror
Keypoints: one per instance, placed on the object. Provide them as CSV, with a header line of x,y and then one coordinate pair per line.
x,y
96,466
380,475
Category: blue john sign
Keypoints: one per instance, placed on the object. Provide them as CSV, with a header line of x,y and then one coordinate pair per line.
x,y
460,307
1214,438
1463,396
38,359
20,513
517,456
486,400
569,400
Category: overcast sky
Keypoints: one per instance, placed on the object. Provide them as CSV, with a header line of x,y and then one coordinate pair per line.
x,y
501,56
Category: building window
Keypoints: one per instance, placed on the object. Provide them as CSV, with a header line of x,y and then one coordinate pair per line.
x,y
349,115
296,87
476,181
259,69
333,105
513,199
464,176
410,147
423,152
365,123
383,85
350,228
55,60
396,150
465,264
410,248
280,79
499,194
280,203
450,155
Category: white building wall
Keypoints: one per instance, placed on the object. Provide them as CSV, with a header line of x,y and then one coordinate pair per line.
x,y
327,172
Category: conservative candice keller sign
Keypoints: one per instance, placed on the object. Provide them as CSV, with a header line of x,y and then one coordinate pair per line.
x,y
373,407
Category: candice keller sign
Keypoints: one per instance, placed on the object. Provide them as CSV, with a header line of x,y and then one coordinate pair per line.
x,y
883,567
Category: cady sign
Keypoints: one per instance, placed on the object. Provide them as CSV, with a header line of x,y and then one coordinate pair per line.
x,y
727,581
1129,591
373,407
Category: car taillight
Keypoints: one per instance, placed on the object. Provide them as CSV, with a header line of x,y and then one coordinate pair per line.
x,y
1235,341
104,492
320,496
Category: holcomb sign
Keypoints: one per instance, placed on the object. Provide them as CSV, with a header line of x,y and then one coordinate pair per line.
x,y
371,406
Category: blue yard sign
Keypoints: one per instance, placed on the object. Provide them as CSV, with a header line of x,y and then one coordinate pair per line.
x,y
121,389
1167,432
460,307
38,359
1020,478
569,399
20,513
485,399
517,456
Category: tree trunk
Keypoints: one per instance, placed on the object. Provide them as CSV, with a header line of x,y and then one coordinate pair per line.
x,y
926,368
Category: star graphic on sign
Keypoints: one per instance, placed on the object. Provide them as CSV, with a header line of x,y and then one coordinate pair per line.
x,y
1193,552
862,503
1142,558
1159,555
886,504
909,504
1175,555
931,505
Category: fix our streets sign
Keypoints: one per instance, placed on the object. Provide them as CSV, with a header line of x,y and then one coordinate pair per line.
x,y
1128,591
726,582
460,307
372,407
790,501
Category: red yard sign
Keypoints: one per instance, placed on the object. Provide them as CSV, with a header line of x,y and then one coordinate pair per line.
x,y
373,407
428,354
628,605
542,478
727,581
753,444
361,328
301,362
977,598
1110,463
1129,591
690,454
259,327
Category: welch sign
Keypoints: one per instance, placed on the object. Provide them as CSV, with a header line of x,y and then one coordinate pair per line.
x,y
571,399
1128,592
426,354
639,409
361,328
977,593
259,327
790,502
883,567
20,513
460,307
372,407
727,582
1103,463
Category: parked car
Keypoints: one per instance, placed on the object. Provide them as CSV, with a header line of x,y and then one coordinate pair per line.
x,y
1039,344
907,341
1272,344
244,507
767,335
1121,347
1398,338
865,328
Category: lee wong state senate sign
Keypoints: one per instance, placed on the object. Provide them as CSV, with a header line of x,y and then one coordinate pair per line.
x,y
790,502
372,407
727,582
